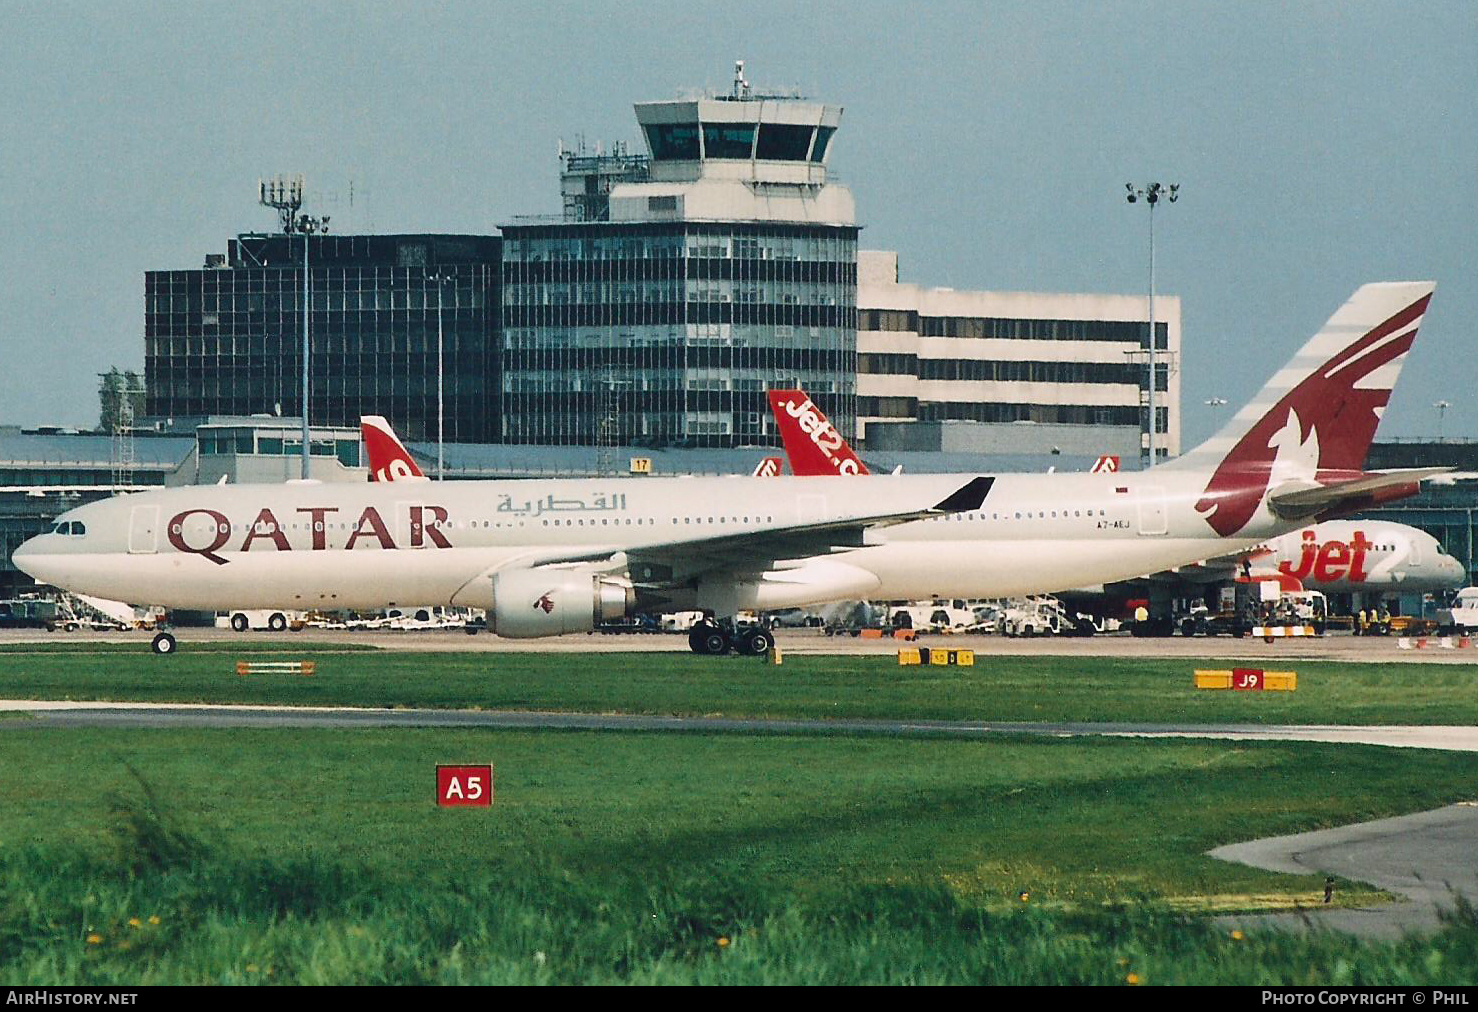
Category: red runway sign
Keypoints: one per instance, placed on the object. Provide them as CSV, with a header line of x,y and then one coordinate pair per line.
x,y
459,786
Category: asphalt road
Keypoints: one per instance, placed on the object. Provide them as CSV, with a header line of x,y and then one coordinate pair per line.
x,y
1428,859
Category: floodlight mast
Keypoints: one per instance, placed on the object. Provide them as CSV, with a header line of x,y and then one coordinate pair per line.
x,y
1152,195
285,195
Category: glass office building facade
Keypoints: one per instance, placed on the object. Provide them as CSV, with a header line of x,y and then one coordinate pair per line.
x,y
669,333
227,339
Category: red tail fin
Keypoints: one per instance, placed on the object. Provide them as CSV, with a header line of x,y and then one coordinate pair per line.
x,y
813,445
389,460
1315,419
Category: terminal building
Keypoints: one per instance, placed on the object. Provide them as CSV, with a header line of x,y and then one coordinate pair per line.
x,y
675,288
992,372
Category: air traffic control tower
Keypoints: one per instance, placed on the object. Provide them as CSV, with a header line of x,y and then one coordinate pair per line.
x,y
729,269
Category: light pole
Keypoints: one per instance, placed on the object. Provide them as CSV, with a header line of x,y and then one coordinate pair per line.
x,y
307,225
1151,195
440,277
1441,407
284,194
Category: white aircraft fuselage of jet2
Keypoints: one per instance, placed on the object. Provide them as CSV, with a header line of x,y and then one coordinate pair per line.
x,y
550,557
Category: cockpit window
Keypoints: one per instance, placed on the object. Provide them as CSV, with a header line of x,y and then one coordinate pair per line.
x,y
72,528
78,528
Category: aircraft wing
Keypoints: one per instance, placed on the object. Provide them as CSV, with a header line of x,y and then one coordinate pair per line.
x,y
1311,500
756,552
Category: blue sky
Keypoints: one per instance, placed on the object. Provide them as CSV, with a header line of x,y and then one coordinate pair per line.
x,y
1318,145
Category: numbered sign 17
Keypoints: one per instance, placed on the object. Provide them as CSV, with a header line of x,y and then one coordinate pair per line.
x,y
459,786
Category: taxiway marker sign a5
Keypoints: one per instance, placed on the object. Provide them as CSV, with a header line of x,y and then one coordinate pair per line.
x,y
464,786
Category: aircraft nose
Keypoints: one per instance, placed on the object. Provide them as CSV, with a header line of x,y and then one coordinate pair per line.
x,y
27,558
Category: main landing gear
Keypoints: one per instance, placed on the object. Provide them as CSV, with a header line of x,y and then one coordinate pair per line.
x,y
163,643
715,639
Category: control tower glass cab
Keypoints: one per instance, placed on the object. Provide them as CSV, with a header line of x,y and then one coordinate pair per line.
x,y
771,140
754,157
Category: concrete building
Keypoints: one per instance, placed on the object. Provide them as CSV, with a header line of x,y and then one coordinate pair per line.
x,y
995,372
269,450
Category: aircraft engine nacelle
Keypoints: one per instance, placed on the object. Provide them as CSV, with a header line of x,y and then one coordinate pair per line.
x,y
528,603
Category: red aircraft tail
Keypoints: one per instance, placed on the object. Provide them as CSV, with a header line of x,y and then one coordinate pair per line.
x,y
1305,436
389,460
812,443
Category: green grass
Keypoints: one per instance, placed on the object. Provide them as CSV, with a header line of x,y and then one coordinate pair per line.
x,y
997,688
318,856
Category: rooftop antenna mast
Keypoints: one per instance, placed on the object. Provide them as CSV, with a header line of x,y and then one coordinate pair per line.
x,y
284,194
741,86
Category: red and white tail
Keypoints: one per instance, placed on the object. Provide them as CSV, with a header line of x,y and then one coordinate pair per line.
x,y
812,443
389,460
769,467
1313,422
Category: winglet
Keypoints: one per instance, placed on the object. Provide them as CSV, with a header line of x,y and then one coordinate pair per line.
x,y
967,497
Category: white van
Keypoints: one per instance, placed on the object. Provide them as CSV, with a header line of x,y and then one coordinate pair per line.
x,y
1462,615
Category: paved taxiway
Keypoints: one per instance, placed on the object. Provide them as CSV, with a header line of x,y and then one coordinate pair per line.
x,y
1426,858
51,713
1334,647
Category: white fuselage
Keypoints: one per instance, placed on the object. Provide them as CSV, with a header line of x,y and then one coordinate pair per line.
x,y
310,545
1354,556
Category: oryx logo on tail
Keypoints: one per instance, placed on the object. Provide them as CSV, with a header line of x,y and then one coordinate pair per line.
x,y
1314,421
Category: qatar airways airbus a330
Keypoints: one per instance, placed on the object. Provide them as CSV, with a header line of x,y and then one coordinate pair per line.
x,y
557,556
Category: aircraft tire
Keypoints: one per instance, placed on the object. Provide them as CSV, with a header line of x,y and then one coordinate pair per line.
x,y
755,642
707,638
163,644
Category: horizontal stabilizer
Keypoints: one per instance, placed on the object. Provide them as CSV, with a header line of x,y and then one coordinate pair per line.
x,y
1311,500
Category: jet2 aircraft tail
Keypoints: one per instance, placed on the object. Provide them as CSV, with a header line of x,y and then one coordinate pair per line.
x,y
812,443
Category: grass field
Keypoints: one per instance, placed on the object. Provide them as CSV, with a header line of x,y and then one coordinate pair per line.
x,y
1005,689
318,856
